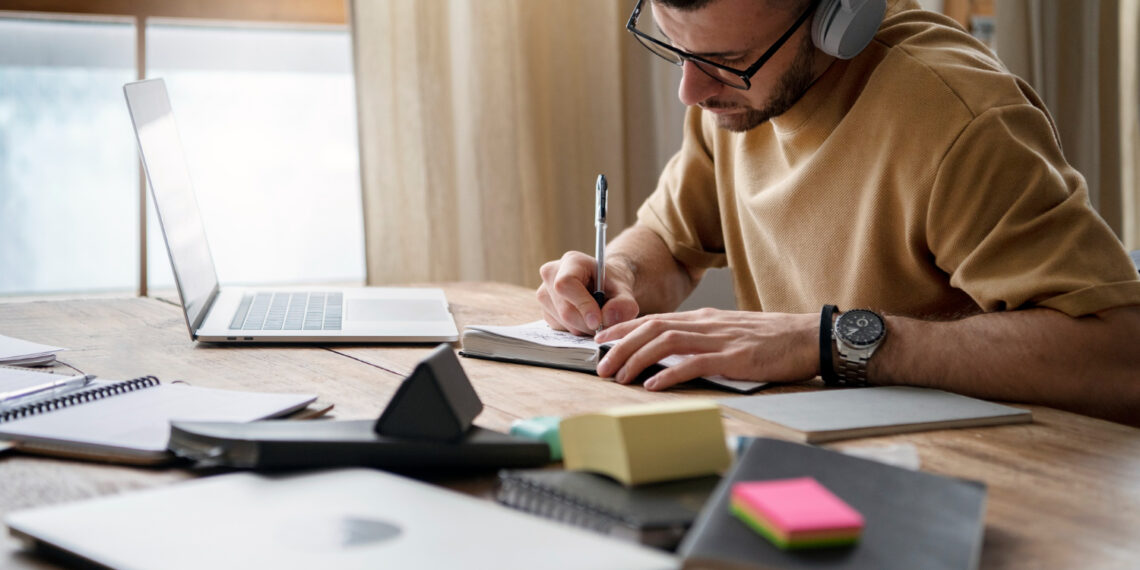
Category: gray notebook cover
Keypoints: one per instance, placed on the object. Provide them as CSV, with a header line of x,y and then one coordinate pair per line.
x,y
829,415
911,519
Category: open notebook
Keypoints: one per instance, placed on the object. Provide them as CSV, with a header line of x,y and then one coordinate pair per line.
x,y
129,421
536,343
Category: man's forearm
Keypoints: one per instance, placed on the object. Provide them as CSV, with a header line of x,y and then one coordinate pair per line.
x,y
660,282
1088,365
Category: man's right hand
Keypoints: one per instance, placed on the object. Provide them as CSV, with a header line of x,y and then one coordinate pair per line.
x,y
565,294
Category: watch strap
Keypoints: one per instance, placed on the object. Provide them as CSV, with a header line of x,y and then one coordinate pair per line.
x,y
851,373
826,362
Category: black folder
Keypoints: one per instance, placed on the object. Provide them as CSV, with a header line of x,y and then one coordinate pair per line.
x,y
284,444
425,427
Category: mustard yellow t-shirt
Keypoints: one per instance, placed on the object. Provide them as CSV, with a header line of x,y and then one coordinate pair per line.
x,y
919,178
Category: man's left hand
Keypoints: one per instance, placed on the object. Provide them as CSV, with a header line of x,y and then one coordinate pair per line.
x,y
742,345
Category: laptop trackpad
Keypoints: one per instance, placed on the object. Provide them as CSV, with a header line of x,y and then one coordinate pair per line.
x,y
364,310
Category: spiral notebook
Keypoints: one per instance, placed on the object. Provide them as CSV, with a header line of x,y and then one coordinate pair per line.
x,y
129,421
657,514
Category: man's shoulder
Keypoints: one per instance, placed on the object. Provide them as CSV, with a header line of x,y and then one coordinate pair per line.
x,y
925,54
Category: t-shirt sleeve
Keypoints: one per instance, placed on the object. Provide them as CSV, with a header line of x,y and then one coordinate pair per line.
x,y
683,210
1010,222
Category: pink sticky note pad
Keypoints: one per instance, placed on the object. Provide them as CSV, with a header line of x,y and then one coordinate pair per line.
x,y
796,506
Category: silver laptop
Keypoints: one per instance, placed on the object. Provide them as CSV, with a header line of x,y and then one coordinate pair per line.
x,y
346,518
279,314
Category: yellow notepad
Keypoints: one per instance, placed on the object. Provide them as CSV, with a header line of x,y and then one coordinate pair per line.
x,y
647,443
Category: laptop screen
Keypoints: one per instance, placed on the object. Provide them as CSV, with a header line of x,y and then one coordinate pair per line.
x,y
169,178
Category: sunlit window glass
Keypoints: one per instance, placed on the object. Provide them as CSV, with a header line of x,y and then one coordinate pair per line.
x,y
268,121
68,164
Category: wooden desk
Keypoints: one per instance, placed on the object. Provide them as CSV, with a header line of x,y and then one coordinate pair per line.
x,y
1064,492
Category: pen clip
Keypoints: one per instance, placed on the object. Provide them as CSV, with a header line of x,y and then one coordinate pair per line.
x,y
600,203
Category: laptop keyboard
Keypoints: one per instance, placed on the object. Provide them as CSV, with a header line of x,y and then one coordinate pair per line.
x,y
289,312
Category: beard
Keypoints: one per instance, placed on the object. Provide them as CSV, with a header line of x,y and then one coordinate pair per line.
x,y
789,88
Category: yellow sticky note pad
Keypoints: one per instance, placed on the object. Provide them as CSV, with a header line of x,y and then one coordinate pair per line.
x,y
647,443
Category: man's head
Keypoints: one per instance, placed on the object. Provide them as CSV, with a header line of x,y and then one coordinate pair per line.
x,y
736,34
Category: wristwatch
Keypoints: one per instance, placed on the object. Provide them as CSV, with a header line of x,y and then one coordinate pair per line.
x,y
857,334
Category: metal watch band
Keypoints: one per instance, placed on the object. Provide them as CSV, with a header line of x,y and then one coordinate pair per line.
x,y
851,373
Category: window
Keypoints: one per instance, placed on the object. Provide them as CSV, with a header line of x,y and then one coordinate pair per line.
x,y
268,121
68,169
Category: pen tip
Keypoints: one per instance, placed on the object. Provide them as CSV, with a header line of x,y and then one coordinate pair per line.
x,y
602,181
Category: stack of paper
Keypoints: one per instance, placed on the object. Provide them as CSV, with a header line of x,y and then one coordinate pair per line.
x,y
16,352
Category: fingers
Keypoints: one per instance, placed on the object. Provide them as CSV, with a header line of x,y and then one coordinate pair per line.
x,y
619,308
651,340
685,369
566,300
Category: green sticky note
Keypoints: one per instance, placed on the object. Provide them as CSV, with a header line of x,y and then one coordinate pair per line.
x,y
542,428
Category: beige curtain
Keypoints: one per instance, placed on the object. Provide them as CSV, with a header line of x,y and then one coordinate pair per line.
x,y
483,126
1081,57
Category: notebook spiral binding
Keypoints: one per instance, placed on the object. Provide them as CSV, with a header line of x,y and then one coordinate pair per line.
x,y
80,397
525,496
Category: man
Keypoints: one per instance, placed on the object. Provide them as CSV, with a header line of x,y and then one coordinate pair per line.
x,y
919,180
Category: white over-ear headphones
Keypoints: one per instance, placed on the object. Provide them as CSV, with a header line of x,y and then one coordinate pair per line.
x,y
842,28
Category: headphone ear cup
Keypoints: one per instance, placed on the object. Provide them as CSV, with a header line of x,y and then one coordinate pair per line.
x,y
842,28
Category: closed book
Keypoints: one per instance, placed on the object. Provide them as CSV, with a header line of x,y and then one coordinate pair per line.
x,y
830,415
911,519
656,514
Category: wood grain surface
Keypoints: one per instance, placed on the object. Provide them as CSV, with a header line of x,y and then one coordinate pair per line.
x,y
1064,491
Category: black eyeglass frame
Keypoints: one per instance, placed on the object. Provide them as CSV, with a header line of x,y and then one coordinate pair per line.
x,y
744,75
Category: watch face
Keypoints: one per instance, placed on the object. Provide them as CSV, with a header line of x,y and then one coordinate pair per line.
x,y
860,328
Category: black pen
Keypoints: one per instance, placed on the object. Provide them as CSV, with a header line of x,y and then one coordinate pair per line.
x,y
600,242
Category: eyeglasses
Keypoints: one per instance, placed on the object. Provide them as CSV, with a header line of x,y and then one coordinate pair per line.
x,y
740,79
